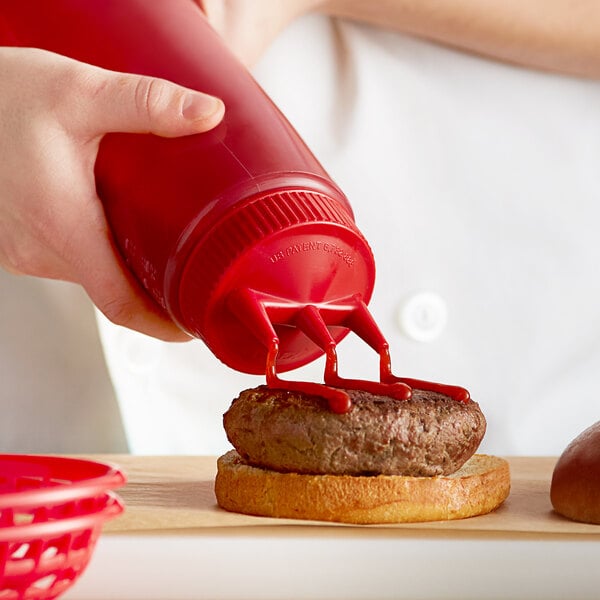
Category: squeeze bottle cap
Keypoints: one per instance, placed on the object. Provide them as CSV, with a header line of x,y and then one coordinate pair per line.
x,y
289,248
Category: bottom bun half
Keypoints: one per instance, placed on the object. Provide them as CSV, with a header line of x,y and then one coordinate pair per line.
x,y
480,486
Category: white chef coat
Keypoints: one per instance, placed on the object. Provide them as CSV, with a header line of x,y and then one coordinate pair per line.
x,y
477,185
55,392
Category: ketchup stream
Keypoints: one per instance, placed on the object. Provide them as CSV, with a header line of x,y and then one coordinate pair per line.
x,y
332,390
260,311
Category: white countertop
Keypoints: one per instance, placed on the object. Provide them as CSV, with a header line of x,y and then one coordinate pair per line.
x,y
375,563
174,543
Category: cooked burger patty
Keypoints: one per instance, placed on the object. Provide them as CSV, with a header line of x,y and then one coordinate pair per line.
x,y
288,431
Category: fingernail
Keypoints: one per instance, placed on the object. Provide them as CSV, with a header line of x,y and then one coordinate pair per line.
x,y
197,107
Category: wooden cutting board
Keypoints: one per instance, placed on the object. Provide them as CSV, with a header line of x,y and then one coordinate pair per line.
x,y
167,493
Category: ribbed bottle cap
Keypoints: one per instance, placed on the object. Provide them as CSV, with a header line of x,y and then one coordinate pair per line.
x,y
302,246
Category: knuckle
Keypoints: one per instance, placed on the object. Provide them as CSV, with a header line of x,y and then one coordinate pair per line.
x,y
85,87
150,96
93,87
76,77
118,310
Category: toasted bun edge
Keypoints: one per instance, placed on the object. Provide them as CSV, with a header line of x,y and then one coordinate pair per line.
x,y
477,488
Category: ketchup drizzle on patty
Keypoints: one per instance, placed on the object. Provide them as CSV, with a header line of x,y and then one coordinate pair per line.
x,y
399,388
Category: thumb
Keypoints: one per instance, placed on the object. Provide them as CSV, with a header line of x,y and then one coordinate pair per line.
x,y
141,104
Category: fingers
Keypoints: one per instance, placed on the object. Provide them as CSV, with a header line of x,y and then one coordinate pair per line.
x,y
136,104
122,300
75,244
140,104
52,223
128,103
98,267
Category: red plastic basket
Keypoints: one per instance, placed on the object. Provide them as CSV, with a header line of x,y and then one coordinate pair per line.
x,y
51,514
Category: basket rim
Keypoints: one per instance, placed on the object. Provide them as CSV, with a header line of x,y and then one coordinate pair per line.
x,y
103,476
33,531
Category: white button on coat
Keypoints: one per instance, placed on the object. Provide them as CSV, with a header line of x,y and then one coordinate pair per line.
x,y
423,316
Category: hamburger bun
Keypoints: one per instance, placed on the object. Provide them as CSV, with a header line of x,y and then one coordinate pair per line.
x,y
575,486
478,487
383,461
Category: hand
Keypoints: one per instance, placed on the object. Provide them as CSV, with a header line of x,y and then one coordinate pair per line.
x,y
55,111
250,27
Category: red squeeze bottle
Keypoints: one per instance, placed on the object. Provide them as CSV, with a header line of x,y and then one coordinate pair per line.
x,y
229,231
